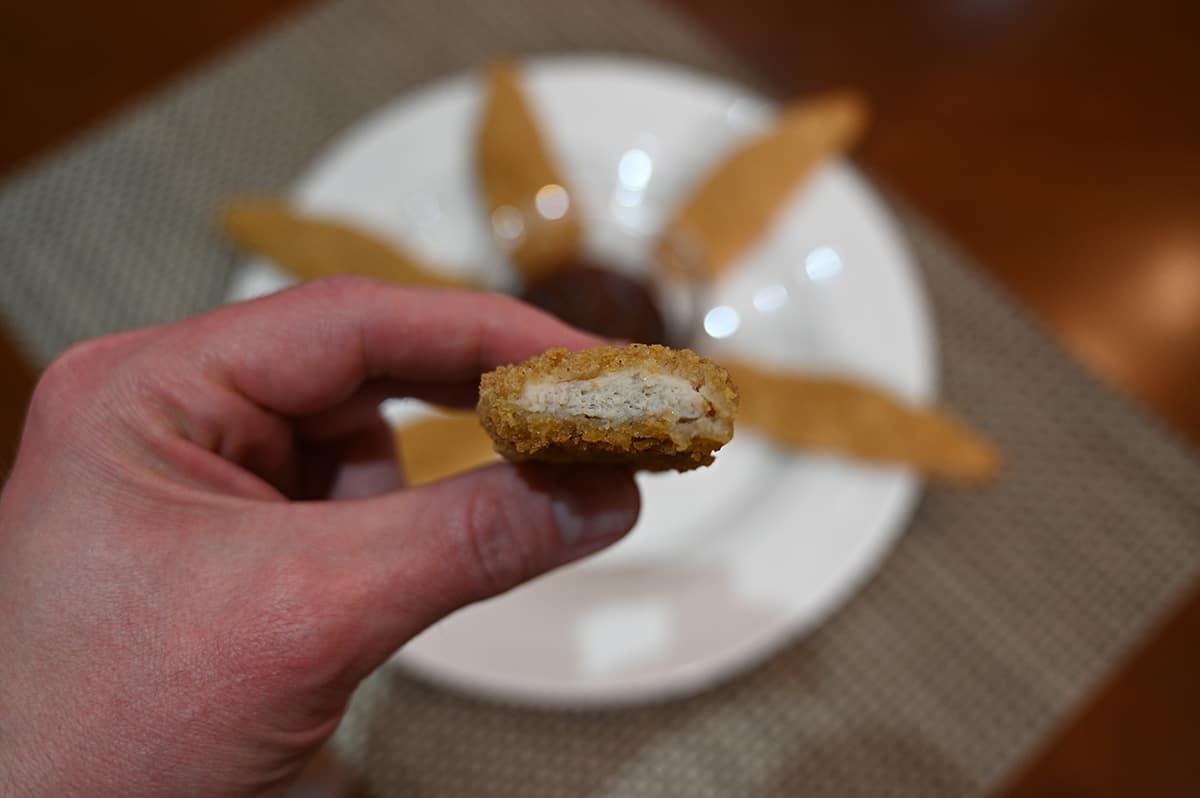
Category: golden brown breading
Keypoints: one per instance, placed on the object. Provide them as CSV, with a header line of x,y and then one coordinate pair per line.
x,y
312,247
733,205
516,166
648,407
860,421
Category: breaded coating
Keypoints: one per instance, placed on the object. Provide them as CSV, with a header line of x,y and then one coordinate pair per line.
x,y
518,173
311,247
832,414
648,407
737,202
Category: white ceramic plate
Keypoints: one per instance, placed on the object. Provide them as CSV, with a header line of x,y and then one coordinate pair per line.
x,y
728,563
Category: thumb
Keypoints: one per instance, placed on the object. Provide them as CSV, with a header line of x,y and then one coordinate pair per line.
x,y
420,554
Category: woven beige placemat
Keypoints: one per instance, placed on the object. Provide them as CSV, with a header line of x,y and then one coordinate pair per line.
x,y
998,609
996,612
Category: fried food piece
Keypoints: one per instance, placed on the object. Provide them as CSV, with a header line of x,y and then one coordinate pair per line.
x,y
530,205
310,247
442,446
859,421
648,407
737,201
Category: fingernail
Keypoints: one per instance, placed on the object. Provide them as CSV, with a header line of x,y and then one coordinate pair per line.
x,y
596,507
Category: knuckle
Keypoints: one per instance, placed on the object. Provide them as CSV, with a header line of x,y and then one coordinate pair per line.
x,y
502,306
80,363
94,381
340,286
72,377
500,541
506,303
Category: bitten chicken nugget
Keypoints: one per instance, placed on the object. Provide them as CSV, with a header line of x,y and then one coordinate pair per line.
x,y
648,407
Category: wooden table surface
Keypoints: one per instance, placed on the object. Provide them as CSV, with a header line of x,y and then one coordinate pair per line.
x,y
1058,141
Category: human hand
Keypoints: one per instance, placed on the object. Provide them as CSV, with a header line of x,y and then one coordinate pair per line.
x,y
180,614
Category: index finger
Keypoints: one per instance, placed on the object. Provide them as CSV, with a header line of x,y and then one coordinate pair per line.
x,y
306,349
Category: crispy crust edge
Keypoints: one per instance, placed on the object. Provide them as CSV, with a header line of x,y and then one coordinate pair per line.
x,y
651,444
